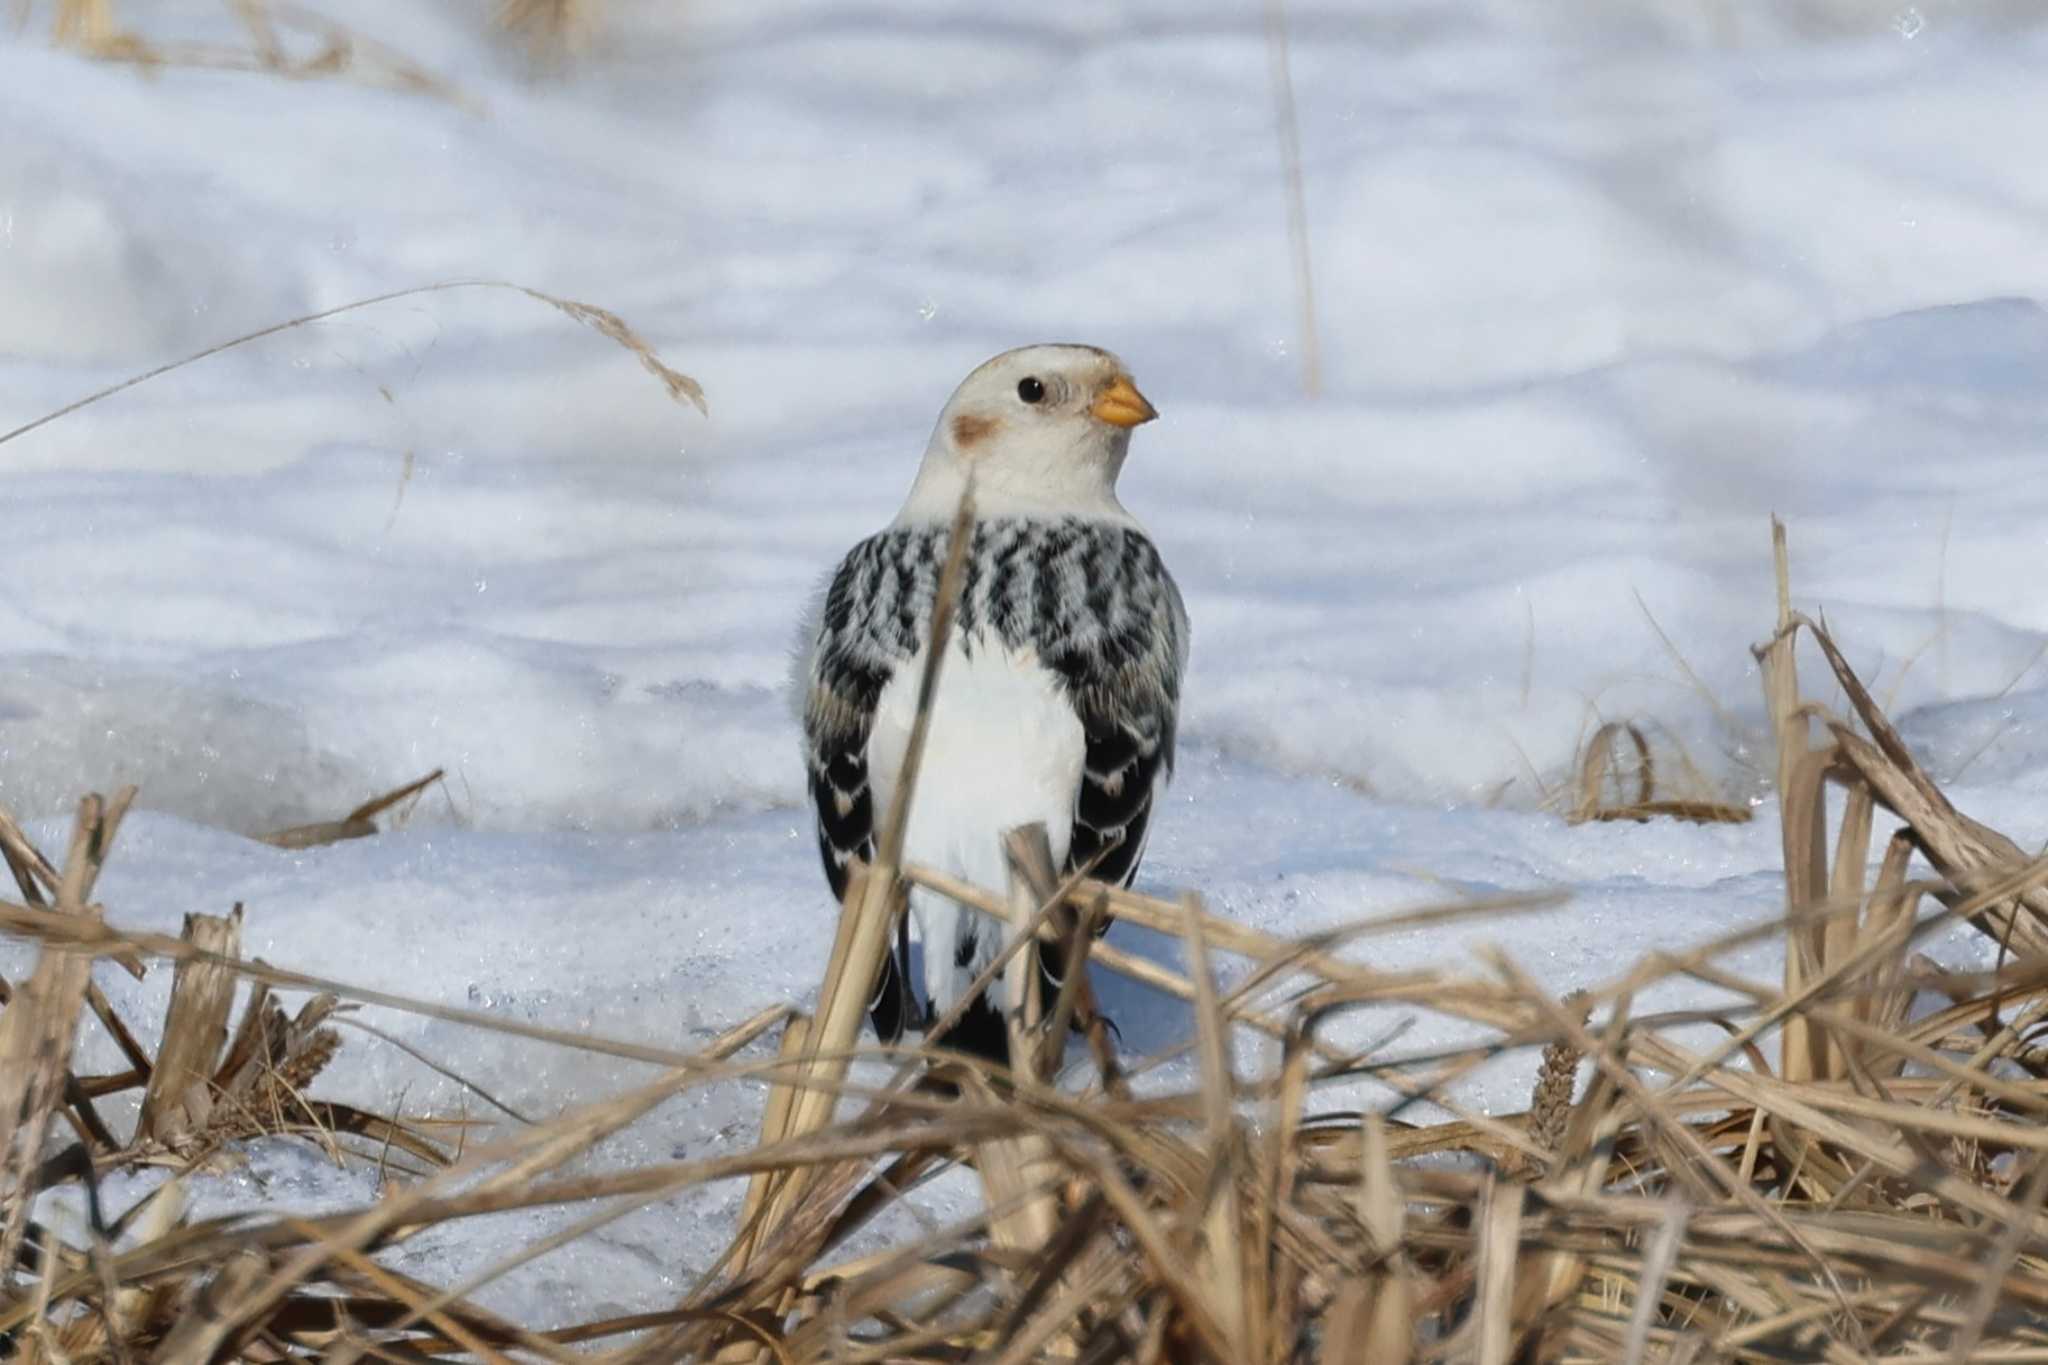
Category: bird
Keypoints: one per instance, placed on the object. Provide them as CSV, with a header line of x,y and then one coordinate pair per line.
x,y
1059,696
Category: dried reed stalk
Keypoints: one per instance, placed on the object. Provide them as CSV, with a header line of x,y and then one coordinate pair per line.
x,y
681,388
1019,1174
359,823
1801,811
553,30
179,1099
1598,770
1287,126
1222,1260
874,897
41,1022
35,1044
89,27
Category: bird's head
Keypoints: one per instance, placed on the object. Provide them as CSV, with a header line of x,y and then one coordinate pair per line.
x,y
1041,428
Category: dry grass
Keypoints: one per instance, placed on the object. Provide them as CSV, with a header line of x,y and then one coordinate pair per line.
x,y
1287,127
277,39
1835,1179
1618,782
680,387
551,29
359,823
298,43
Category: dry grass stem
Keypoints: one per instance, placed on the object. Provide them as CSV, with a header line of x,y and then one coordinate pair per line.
x,y
680,386
359,823
282,40
1607,790
553,30
1288,127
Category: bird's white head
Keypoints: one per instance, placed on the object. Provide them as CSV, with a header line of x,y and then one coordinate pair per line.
x,y
1040,429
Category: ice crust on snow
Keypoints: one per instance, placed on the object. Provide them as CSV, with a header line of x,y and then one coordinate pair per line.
x,y
1601,287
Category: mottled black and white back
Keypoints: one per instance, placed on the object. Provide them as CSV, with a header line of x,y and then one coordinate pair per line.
x,y
1058,699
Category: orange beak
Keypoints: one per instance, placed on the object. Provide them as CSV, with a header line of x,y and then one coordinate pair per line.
x,y
1121,405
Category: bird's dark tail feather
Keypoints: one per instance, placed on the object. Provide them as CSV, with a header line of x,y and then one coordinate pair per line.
x,y
889,1007
981,1033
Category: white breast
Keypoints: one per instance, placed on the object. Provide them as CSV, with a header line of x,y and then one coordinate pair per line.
x,y
1005,749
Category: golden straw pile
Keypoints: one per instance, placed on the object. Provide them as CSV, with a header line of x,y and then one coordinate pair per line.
x,y
1853,1171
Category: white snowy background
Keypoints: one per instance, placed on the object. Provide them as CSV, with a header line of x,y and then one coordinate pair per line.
x,y
1600,285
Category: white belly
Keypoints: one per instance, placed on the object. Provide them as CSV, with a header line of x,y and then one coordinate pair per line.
x,y
1005,749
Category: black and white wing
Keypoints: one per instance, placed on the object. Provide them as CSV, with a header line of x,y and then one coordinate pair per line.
x,y
1120,647
848,668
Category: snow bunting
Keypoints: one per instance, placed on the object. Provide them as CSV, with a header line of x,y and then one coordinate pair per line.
x,y
1057,700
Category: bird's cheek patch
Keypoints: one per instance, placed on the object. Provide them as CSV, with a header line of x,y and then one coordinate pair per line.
x,y
970,431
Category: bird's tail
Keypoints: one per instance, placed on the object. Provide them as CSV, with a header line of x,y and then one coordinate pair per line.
x,y
980,1032
958,943
889,1006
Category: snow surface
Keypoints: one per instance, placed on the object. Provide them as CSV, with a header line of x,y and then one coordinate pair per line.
x,y
1601,285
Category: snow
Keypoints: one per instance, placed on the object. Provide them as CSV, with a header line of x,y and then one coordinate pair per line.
x,y
1601,286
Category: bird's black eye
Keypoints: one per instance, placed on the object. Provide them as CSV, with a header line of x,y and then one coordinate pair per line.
x,y
1030,390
